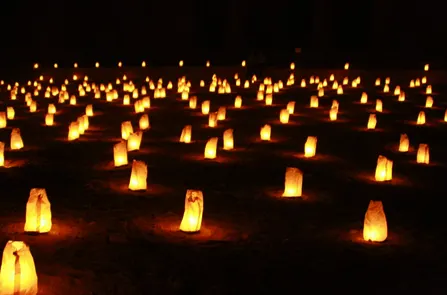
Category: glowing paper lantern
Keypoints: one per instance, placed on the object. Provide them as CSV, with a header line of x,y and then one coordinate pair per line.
x,y
192,217
144,122
340,90
377,83
10,113
333,114
346,66
310,147
193,102
211,148
291,107
73,131
2,154
134,141
3,120
445,116
126,129
228,140
51,109
49,119
426,67
206,107
375,227
384,169
335,104
423,155
221,113
364,98
212,120
120,154
238,102
293,183
16,139
372,121
379,106
18,272
89,110
138,177
404,143
186,134
429,102
266,132
284,116
268,99
421,118
428,89
38,212
314,101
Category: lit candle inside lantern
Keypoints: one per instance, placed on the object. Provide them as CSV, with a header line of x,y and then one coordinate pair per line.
x,y
314,101
33,107
16,139
211,148
364,98
379,105
372,121
10,113
266,132
375,227
310,146
346,66
51,109
238,102
73,131
333,114
426,67
228,140
144,122
401,96
397,90
445,116
212,119
38,212
192,217
134,141
429,102
404,143
386,88
268,99
3,120
206,107
120,154
221,113
421,118
49,119
377,83
186,134
18,272
424,80
193,102
291,107
384,169
423,154
339,89
293,183
126,129
2,154
138,177
428,89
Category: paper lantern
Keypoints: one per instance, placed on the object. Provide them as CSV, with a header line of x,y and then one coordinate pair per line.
x,y
335,104
3,120
126,99
429,102
221,113
192,217
38,212
212,119
401,97
16,139
126,129
412,84
73,100
314,101
266,132
2,154
10,113
49,119
423,155
33,107
120,154
238,102
211,148
421,118
445,116
384,169
340,90
333,114
81,128
144,122
73,131
206,107
379,106
364,98
138,177
377,83
291,107
186,134
51,109
268,99
428,89
404,143
397,90
228,141
293,183
346,66
193,102
284,116
372,121
375,227
320,92
310,147
423,80
386,88
18,272
134,141
89,110
426,67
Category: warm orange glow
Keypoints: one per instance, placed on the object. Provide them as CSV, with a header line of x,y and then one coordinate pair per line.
x,y
293,183
379,105
38,212
49,119
266,132
364,98
221,113
180,64
211,148
429,102
333,114
346,66
134,141
284,116
421,118
423,80
310,147
314,101
375,227
138,177
423,155
291,107
10,113
228,140
292,66
144,122
193,102
339,89
3,120
445,116
120,154
126,129
73,131
386,88
404,143
384,169
2,154
426,67
238,102
268,99
186,134
377,83
206,107
18,272
192,217
397,90
212,119
51,109
428,89
372,121
401,96
16,139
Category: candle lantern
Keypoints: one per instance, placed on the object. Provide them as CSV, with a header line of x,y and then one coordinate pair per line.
x,y
423,154
291,107
310,147
228,140
192,217
364,98
120,154
212,119
134,141
211,148
16,139
2,154
284,116
186,134
375,227
379,106
404,143
38,212
51,109
3,120
266,132
238,102
193,102
126,129
293,183
314,101
429,102
138,177
221,113
89,110
384,169
73,131
206,107
421,118
144,122
333,114
49,119
10,113
372,121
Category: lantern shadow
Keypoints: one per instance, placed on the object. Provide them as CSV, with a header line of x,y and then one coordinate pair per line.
x,y
370,179
392,147
60,230
414,123
356,236
23,150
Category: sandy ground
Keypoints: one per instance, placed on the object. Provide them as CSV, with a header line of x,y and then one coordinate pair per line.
x,y
108,240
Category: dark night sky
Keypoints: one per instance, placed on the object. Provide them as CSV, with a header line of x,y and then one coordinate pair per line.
x,y
67,31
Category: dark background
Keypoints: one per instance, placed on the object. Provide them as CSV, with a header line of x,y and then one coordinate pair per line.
x,y
371,33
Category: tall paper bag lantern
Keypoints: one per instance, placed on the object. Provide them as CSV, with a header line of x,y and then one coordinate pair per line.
x,y
138,177
379,106
375,228
429,102
428,89
293,183
10,113
372,121
364,98
206,107
3,120
49,119
228,140
221,113
284,116
421,118
291,107
51,109
192,217
186,134
238,102
89,110
384,169
144,122
16,139
38,212
134,141
120,154
193,102
314,101
265,133
126,129
73,131
310,146
2,154
445,116
423,154
404,143
212,119
333,114
18,272
211,148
